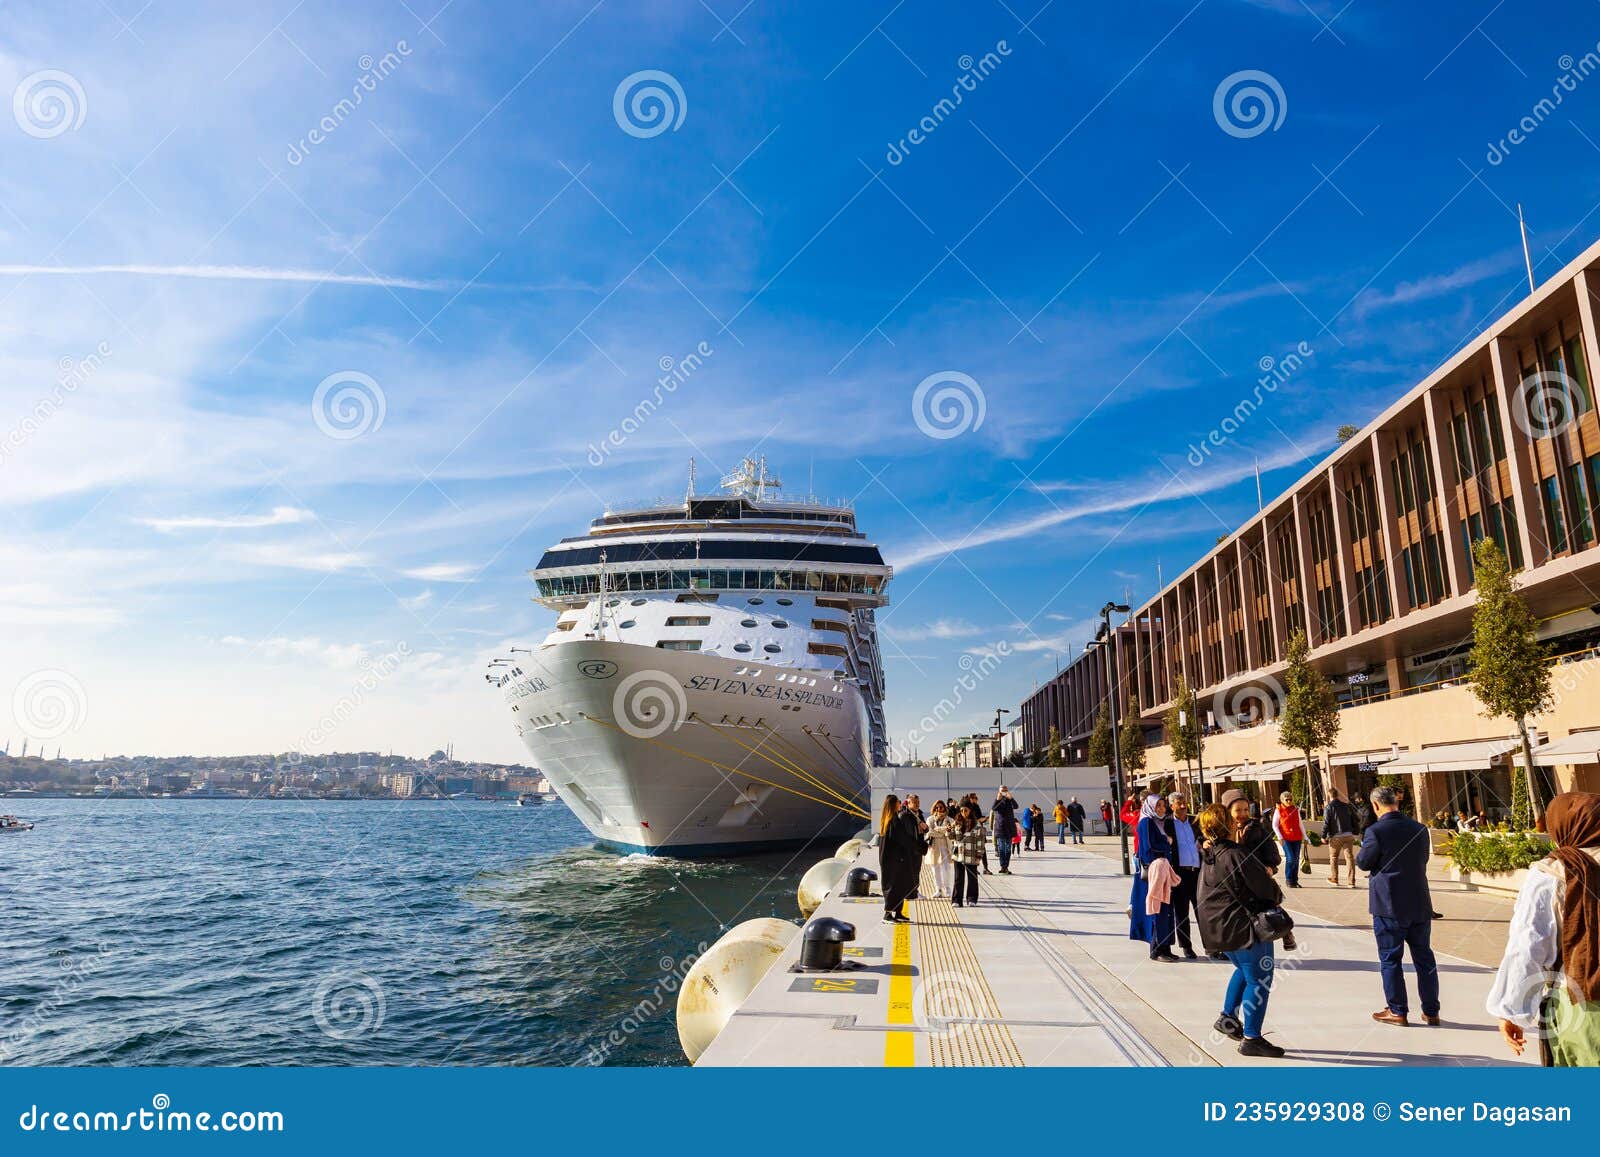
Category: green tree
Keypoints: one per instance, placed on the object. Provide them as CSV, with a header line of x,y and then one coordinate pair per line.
x,y
1509,673
1100,739
1310,717
1052,751
1182,725
1346,432
1131,741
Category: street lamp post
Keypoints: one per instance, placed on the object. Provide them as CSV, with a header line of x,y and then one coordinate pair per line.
x,y
1116,747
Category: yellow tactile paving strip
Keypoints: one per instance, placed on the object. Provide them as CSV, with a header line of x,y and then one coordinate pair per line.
x,y
951,987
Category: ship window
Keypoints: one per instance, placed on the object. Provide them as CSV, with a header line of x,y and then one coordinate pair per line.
x,y
748,623
567,626
780,623
626,623
786,602
614,603
742,648
688,620
637,603
756,602
772,648
679,644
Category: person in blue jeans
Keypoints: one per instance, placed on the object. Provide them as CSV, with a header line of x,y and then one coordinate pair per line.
x,y
1234,887
1395,850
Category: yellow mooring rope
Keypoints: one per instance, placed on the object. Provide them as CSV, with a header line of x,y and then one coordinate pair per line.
x,y
851,810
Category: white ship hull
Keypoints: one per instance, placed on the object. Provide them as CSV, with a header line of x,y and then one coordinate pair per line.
x,y
692,754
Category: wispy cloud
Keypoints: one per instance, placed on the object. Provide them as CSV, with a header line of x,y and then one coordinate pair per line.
x,y
280,516
230,273
418,601
1114,496
939,629
444,572
300,556
1426,288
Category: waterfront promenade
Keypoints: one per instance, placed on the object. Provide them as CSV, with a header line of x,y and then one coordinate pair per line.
x,y
1042,973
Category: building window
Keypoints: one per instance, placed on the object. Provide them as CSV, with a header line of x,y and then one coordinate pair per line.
x,y
1582,525
1554,526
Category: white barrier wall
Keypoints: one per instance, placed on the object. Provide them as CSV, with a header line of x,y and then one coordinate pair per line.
x,y
1041,785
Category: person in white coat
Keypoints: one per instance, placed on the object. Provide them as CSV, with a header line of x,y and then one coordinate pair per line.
x,y
941,826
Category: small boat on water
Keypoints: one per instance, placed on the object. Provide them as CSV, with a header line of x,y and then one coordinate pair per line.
x,y
9,824
529,799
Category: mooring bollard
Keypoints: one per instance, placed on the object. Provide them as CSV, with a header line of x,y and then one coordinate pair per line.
x,y
822,944
858,882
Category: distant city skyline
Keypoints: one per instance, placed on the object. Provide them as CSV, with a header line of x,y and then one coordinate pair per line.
x,y
316,323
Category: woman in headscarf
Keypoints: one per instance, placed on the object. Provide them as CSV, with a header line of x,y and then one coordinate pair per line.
x,y
1156,931
900,848
1549,979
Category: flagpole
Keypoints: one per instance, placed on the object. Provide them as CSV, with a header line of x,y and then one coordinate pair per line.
x,y
1527,257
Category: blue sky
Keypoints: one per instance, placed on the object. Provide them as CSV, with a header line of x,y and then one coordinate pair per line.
x,y
189,561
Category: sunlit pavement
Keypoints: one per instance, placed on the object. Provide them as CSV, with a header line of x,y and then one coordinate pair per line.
x,y
1042,973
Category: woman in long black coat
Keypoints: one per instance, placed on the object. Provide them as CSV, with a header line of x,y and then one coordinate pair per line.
x,y
900,849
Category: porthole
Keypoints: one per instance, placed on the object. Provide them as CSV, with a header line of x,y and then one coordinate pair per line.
x,y
614,603
626,623
786,602
637,603
742,648
748,623
756,602
780,623
772,648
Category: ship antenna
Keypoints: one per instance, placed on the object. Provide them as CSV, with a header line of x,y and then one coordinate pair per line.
x,y
691,477
600,603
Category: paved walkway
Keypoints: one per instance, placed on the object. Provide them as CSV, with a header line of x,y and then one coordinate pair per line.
x,y
1042,973
1474,927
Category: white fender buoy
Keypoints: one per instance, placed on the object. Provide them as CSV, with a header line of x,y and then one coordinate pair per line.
x,y
818,882
723,978
850,849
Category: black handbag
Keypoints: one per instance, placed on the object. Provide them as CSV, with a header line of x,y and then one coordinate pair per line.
x,y
1273,924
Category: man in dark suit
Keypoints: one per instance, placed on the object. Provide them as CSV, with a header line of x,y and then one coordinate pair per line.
x,y
1395,850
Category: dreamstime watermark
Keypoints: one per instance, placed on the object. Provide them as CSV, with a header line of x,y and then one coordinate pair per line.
x,y
71,375
373,73
648,704
75,970
49,703
648,103
348,404
1247,705
1274,372
674,373
948,404
673,973
973,73
348,1005
49,103
1546,403
974,671
1249,103
373,672
1573,73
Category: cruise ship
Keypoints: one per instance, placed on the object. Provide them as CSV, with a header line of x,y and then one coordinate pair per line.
x,y
713,683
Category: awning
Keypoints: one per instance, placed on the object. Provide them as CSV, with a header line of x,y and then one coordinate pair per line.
x,y
1584,747
1266,772
1351,758
1472,756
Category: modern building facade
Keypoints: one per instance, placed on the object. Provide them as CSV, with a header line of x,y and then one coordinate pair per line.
x,y
1370,553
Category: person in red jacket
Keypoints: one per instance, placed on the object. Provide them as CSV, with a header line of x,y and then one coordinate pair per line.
x,y
1291,834
1130,816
